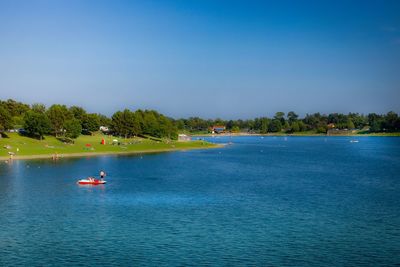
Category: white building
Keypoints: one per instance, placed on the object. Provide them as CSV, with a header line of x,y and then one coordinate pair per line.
x,y
104,128
184,137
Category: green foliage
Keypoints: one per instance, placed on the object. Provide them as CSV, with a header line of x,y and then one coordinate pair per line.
x,y
292,117
235,129
6,121
302,126
261,125
359,120
14,108
180,124
391,122
156,124
315,121
78,113
275,126
36,124
375,122
264,125
104,120
321,129
148,122
126,123
73,128
58,114
384,123
151,123
17,121
295,127
38,108
281,117
91,122
118,123
350,124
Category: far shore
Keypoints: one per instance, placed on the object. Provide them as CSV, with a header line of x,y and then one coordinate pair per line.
x,y
297,134
110,153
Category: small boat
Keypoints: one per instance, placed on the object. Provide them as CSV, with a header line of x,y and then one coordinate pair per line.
x,y
354,141
92,181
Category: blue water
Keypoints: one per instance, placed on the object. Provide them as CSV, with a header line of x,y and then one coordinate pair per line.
x,y
273,201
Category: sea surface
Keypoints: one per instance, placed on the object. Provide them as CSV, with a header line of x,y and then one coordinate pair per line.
x,y
259,201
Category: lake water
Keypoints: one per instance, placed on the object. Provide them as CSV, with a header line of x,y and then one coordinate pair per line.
x,y
272,201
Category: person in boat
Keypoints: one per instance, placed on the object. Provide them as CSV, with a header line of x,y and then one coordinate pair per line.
x,y
102,175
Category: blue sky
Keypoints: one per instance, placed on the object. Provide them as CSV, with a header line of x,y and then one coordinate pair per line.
x,y
229,59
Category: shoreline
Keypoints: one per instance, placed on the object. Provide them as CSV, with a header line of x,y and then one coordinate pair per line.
x,y
305,135
96,154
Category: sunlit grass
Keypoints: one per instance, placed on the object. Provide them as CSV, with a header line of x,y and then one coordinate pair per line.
x,y
25,146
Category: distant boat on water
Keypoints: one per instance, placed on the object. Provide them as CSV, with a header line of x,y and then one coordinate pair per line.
x,y
354,141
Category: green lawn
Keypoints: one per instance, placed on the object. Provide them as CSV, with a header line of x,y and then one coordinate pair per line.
x,y
25,146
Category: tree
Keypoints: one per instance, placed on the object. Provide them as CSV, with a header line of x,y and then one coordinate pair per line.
x,y
350,124
280,116
132,123
5,119
150,123
292,117
391,122
166,128
78,113
275,126
58,114
322,129
302,126
14,108
38,108
91,122
315,121
295,127
126,123
264,125
235,129
36,124
17,121
104,120
72,128
375,122
117,123
180,124
359,120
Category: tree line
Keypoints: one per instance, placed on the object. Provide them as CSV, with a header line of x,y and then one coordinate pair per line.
x,y
69,122
61,121
291,122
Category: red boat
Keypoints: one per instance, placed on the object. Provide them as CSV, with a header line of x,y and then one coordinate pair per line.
x,y
92,181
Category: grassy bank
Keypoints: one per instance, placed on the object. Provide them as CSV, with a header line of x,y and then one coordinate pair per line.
x,y
25,147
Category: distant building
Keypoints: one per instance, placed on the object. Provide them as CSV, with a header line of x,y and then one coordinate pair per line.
x,y
217,129
184,137
331,126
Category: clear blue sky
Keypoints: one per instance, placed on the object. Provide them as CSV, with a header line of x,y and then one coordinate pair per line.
x,y
229,59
